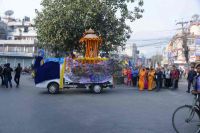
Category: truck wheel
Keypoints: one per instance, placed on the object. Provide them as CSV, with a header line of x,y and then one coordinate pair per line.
x,y
97,89
53,88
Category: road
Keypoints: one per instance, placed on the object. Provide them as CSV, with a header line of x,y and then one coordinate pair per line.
x,y
121,110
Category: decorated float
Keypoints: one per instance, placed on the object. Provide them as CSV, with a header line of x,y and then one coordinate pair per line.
x,y
90,72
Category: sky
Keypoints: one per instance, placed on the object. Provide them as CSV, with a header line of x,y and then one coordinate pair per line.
x,y
158,22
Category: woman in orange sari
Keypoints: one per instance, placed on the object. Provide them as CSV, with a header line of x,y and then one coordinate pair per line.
x,y
151,76
142,74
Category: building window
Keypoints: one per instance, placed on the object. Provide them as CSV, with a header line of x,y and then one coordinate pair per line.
x,y
19,49
25,29
2,49
9,38
11,29
29,49
11,49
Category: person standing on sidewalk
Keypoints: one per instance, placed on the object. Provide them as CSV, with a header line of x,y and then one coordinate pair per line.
x,y
17,74
192,73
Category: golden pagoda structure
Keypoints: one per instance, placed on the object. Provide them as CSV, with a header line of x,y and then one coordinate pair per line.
x,y
92,43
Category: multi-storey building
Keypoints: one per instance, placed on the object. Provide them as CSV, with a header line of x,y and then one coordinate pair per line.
x,y
17,51
19,45
175,50
131,51
3,30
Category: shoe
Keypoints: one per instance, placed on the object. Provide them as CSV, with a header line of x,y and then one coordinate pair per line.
x,y
188,91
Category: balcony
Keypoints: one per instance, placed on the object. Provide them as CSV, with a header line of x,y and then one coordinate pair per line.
x,y
17,42
17,54
27,34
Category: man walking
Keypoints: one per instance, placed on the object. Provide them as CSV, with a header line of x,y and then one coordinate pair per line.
x,y
17,74
167,78
174,76
197,79
7,75
159,78
192,73
135,73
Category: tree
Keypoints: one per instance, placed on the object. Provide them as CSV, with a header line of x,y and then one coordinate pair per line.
x,y
61,23
195,18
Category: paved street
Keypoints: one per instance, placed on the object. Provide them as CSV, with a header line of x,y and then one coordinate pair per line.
x,y
121,110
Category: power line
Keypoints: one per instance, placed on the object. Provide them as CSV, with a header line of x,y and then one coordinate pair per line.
x,y
153,39
166,30
153,44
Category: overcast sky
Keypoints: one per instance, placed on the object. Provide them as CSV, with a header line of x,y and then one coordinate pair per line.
x,y
159,19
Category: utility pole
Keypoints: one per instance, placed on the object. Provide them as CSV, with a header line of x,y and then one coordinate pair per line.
x,y
184,38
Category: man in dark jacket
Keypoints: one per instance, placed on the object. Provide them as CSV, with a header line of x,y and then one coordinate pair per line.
x,y
17,74
192,73
135,73
159,78
196,82
7,72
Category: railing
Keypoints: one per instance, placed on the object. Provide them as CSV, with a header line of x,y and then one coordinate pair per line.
x,y
18,42
18,54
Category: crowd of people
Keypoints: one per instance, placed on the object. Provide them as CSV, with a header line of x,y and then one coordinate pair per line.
x,y
150,78
6,75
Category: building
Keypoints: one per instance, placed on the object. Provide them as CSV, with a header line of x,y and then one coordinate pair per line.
x,y
17,51
135,52
21,29
164,61
20,43
175,50
130,51
3,30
